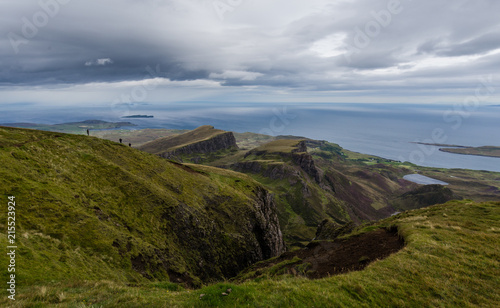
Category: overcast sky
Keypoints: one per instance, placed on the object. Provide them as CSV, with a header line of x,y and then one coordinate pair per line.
x,y
153,51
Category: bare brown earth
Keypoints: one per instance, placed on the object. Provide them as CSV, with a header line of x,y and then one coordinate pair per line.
x,y
327,258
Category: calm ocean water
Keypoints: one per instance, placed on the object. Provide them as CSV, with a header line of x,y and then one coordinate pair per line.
x,y
385,130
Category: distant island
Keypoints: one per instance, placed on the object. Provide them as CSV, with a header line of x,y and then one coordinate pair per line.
x,y
138,116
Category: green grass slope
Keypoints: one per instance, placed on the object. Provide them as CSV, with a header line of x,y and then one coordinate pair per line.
x,y
451,259
91,209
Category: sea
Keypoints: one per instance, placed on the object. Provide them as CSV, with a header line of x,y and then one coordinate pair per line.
x,y
391,131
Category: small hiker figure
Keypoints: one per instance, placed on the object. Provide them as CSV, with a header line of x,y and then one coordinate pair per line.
x,y
130,144
120,140
88,132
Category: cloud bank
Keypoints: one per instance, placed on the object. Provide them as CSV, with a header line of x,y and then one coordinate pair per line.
x,y
317,50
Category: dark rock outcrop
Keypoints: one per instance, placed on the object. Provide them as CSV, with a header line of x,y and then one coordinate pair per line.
x,y
306,163
269,237
220,254
301,147
329,230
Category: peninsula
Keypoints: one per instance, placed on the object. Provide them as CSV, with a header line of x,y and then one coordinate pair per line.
x,y
490,151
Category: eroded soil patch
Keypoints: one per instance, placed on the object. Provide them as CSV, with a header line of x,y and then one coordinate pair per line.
x,y
326,258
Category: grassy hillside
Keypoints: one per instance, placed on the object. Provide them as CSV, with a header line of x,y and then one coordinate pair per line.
x,y
102,224
450,259
476,185
91,209
381,176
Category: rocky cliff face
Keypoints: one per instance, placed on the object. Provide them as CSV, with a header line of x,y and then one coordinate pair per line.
x,y
267,228
219,142
306,162
216,253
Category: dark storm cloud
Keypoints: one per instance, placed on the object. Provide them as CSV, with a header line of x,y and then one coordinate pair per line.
x,y
87,32
315,45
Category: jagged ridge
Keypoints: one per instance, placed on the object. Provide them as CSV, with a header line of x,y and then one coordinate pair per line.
x,y
203,140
